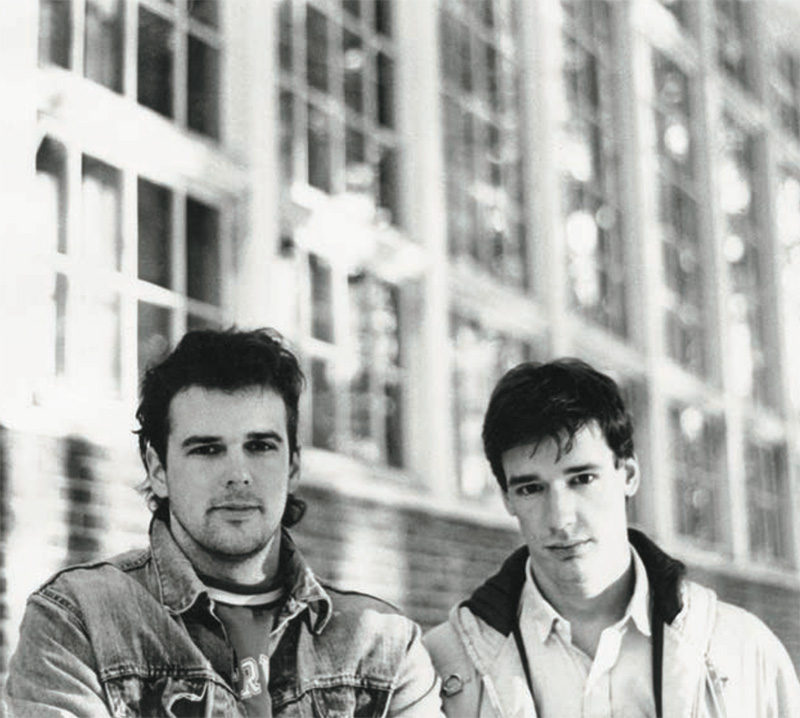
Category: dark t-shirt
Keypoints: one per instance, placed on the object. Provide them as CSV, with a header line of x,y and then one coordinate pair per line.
x,y
248,620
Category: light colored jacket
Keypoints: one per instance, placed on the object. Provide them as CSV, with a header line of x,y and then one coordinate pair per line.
x,y
718,661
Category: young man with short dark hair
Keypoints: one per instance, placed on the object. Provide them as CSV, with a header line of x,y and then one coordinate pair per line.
x,y
590,618
221,616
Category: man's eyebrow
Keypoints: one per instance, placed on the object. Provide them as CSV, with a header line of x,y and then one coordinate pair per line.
x,y
523,479
200,439
273,435
582,468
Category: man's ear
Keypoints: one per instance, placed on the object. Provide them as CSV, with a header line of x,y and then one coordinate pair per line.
x,y
156,472
294,470
632,476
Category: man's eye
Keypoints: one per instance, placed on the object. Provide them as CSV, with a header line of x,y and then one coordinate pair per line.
x,y
261,446
584,479
529,489
206,450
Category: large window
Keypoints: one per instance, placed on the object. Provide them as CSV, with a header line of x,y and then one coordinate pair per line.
x,y
177,57
768,503
481,70
684,262
340,155
591,164
337,106
356,368
162,279
698,451
744,249
480,358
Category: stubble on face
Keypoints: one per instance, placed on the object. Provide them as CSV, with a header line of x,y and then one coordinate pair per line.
x,y
228,478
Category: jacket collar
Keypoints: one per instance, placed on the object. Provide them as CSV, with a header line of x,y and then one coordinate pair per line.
x,y
496,601
180,588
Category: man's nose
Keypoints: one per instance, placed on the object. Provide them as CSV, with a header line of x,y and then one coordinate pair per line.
x,y
238,469
561,508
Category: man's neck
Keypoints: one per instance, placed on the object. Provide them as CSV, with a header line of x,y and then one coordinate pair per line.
x,y
258,570
589,615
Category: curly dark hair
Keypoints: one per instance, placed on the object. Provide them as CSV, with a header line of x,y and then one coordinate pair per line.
x,y
228,360
536,401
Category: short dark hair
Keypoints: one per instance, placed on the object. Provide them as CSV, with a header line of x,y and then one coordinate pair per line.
x,y
228,360
555,400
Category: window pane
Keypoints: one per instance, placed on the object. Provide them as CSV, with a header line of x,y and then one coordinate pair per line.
x,y
383,17
354,63
317,49
55,32
768,502
394,424
322,299
51,187
103,47
287,137
285,36
319,149
385,91
102,209
203,90
97,366
206,11
375,410
155,233
358,174
155,63
202,252
353,7
154,332
388,190
698,461
733,41
323,406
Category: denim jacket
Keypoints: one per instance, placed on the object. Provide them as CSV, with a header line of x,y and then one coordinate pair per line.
x,y
137,636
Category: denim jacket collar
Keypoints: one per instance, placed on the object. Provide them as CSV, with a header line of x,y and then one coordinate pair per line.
x,y
180,588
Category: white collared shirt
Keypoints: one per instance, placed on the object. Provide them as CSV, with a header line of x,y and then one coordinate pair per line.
x,y
566,681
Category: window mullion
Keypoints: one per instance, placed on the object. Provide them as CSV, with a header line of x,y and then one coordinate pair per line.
x,y
181,67
79,32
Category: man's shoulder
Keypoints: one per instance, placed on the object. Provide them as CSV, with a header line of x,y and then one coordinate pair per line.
x,y
731,628
80,581
355,602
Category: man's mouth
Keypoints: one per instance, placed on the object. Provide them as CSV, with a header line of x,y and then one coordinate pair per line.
x,y
236,506
569,549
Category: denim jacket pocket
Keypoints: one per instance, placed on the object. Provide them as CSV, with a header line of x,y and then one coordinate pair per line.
x,y
169,697
349,700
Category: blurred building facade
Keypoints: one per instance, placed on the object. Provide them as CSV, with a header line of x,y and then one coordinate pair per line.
x,y
418,194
